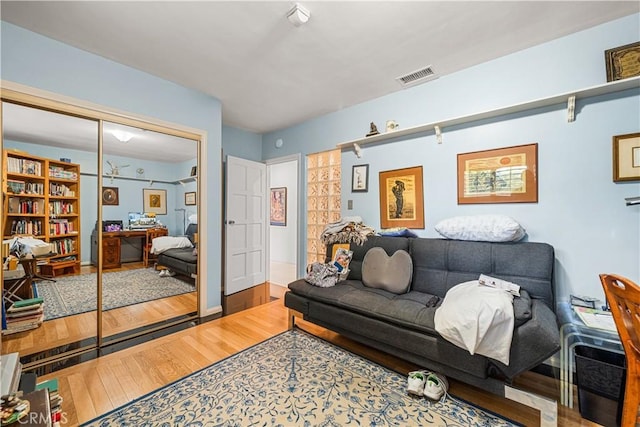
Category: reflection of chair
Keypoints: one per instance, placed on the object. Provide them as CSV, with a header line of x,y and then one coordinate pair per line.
x,y
20,288
152,233
624,298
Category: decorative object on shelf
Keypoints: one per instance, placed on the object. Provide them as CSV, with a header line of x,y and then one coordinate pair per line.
x,y
140,173
110,196
501,175
623,62
115,169
586,95
154,201
392,125
360,178
278,207
65,159
194,171
373,129
190,198
401,198
626,157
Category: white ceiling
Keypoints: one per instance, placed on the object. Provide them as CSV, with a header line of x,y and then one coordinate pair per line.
x,y
26,124
269,74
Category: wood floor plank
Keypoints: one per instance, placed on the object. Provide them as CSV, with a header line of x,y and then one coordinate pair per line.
x,y
81,399
112,385
127,383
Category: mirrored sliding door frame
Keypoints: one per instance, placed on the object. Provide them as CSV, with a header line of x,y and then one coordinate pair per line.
x,y
31,97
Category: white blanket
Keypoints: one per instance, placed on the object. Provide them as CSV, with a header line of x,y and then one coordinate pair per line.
x,y
477,318
161,244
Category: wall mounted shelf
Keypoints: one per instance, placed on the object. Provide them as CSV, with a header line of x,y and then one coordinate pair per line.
x,y
437,127
133,178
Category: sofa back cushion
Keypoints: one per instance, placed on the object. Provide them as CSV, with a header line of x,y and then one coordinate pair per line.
x,y
440,264
391,273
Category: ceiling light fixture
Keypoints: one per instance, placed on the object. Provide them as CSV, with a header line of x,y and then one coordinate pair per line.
x,y
298,15
122,136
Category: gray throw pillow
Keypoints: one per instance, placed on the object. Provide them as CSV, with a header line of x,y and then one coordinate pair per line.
x,y
391,273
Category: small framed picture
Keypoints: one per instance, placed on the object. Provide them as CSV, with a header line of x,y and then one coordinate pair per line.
x,y
110,196
194,171
626,157
278,207
154,201
190,198
360,178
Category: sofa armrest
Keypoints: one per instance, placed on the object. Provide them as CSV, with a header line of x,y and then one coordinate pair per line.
x,y
533,342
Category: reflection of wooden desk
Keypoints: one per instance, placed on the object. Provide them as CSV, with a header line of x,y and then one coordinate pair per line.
x,y
112,246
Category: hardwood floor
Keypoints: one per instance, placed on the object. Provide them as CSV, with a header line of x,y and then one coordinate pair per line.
x,y
98,386
71,329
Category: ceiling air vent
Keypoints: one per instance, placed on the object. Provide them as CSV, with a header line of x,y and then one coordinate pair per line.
x,y
416,77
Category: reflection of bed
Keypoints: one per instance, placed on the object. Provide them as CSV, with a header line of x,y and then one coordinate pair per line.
x,y
182,260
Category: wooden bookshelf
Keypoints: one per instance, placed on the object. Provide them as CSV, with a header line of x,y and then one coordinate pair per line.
x,y
42,199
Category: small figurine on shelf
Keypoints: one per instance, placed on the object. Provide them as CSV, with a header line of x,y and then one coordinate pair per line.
x,y
373,130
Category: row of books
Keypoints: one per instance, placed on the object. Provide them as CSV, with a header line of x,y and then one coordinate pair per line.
x,y
26,206
24,315
58,207
63,246
60,226
27,226
22,187
60,172
24,166
60,190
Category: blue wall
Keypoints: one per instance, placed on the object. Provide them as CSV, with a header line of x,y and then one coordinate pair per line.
x,y
46,64
581,212
241,143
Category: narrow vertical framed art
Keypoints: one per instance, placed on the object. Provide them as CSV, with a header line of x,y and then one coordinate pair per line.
x,y
278,206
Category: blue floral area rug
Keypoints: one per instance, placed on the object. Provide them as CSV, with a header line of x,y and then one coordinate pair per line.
x,y
294,379
70,295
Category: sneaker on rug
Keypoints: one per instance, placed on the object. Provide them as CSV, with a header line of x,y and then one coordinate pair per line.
x,y
415,382
169,273
436,386
163,273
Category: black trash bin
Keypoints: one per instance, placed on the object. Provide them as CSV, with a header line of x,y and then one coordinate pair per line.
x,y
600,376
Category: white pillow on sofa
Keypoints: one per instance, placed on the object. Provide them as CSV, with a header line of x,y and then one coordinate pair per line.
x,y
482,228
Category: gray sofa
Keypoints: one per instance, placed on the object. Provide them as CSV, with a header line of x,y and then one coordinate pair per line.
x,y
403,325
182,260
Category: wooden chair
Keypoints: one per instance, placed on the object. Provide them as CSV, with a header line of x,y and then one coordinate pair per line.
x,y
624,298
151,234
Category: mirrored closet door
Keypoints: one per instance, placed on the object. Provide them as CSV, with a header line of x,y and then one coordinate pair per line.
x,y
108,204
149,229
50,205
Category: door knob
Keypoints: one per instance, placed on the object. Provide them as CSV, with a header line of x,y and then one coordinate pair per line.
x,y
231,222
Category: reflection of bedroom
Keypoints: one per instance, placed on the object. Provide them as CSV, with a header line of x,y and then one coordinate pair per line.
x,y
148,175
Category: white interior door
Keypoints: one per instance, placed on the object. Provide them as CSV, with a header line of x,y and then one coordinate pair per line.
x,y
245,225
